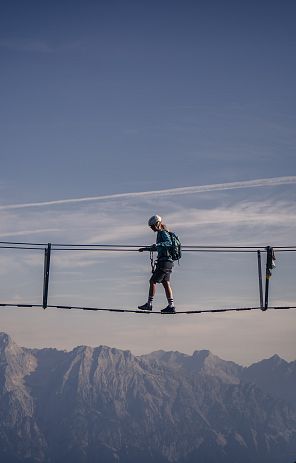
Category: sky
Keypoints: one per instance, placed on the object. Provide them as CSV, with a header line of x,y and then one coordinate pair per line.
x,y
113,111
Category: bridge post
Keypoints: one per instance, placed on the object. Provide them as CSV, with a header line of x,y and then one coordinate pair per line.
x,y
47,253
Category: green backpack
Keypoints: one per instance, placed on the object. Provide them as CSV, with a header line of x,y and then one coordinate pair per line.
x,y
175,250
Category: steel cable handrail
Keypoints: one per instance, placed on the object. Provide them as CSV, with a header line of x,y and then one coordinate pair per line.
x,y
133,247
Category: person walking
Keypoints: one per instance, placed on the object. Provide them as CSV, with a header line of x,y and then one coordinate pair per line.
x,y
164,265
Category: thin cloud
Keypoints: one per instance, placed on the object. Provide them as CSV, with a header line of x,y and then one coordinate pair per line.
x,y
26,45
107,223
263,182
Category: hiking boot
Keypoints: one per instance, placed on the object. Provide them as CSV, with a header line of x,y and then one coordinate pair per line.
x,y
168,309
145,307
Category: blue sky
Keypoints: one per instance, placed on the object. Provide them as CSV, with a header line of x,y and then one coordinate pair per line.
x,y
105,98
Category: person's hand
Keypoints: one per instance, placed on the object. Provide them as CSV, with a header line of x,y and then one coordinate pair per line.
x,y
143,249
150,248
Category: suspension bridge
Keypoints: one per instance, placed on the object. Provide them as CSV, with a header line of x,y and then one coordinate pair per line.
x,y
264,274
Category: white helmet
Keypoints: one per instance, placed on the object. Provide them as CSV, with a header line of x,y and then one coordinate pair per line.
x,y
154,220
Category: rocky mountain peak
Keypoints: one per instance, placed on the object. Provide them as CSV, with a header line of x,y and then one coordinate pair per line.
x,y
5,340
15,361
209,364
102,352
201,362
201,354
201,357
167,407
276,359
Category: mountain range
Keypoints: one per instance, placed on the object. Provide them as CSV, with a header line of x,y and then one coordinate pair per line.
x,y
106,405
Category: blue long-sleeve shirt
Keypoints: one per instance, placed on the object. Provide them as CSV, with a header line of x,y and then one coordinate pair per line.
x,y
163,244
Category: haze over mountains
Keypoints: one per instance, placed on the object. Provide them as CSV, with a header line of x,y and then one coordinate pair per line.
x,y
106,405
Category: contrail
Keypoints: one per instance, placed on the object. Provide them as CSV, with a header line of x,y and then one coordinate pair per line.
x,y
263,182
29,232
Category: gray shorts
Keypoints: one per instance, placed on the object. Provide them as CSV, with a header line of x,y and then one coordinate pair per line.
x,y
162,271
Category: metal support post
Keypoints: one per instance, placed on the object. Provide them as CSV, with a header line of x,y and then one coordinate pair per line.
x,y
47,253
269,267
260,278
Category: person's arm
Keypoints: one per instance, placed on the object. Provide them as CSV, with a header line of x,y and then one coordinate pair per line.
x,y
163,240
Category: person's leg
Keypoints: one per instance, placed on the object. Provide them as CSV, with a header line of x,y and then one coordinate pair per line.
x,y
168,289
168,293
152,291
